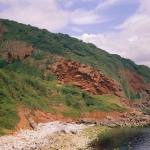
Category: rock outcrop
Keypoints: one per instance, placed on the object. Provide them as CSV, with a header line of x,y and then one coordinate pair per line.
x,y
48,136
29,119
143,105
85,77
115,119
2,30
137,84
17,50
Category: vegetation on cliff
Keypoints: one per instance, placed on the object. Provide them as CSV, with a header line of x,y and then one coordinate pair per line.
x,y
26,53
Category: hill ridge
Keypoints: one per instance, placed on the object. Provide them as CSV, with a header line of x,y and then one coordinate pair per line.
x,y
27,53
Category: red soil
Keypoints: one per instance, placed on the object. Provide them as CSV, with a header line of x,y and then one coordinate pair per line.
x,y
28,118
135,81
18,50
101,115
85,77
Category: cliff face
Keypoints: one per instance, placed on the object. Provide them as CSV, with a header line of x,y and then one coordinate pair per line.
x,y
135,85
85,77
2,30
16,50
136,82
53,58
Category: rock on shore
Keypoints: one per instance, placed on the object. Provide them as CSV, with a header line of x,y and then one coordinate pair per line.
x,y
68,136
53,135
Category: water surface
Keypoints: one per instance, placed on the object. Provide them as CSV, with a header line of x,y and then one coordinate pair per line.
x,y
141,141
124,139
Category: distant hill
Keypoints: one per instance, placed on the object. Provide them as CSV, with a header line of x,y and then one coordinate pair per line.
x,y
28,56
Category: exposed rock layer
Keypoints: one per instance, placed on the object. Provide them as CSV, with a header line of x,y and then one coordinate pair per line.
x,y
137,85
85,77
115,119
17,50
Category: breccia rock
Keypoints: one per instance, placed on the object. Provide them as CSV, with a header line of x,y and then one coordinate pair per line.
x,y
85,77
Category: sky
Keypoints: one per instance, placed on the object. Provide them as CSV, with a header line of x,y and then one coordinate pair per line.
x,y
117,26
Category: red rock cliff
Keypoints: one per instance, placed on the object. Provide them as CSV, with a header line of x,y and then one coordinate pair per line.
x,y
85,77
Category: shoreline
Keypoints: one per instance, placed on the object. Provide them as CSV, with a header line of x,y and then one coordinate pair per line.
x,y
122,138
56,136
45,136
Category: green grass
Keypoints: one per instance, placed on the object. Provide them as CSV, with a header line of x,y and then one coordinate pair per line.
x,y
69,47
23,82
46,43
21,88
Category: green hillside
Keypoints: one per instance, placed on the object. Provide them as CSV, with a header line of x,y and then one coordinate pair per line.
x,y
22,82
72,48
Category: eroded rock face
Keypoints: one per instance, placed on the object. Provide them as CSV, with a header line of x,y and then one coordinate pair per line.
x,y
85,77
17,50
114,119
137,85
2,30
29,119
135,81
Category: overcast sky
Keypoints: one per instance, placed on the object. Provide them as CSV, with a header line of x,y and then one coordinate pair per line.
x,y
118,26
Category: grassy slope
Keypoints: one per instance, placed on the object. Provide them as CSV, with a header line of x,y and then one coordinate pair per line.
x,y
69,47
23,83
24,87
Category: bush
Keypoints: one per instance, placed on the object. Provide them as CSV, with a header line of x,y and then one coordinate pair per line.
x,y
88,99
3,63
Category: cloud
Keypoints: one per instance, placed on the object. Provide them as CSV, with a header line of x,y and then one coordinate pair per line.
x,y
83,17
67,3
131,40
47,14
43,14
76,29
108,3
